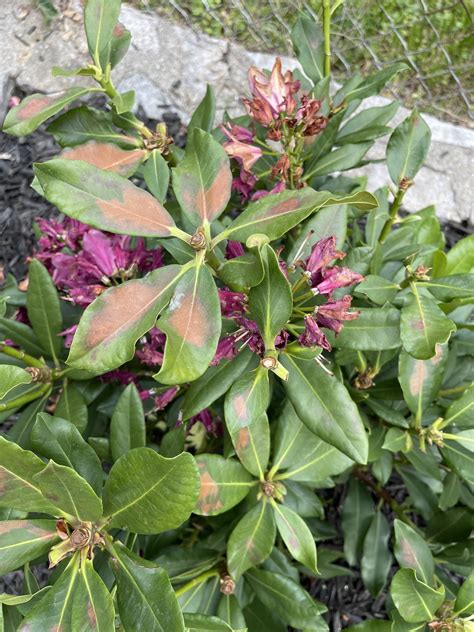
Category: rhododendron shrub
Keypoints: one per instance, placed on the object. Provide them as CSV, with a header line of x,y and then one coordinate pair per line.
x,y
210,340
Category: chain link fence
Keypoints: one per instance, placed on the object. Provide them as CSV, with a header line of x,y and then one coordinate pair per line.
x,y
435,37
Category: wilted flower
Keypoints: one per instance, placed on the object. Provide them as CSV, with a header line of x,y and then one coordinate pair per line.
x,y
151,349
313,336
239,145
334,312
336,277
234,249
322,253
274,93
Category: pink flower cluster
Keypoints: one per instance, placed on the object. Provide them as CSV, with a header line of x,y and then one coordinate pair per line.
x,y
287,115
324,279
84,261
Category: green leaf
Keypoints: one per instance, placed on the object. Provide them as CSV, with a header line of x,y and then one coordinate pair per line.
x,y
72,406
103,199
296,535
252,445
123,102
144,594
325,406
376,220
284,597
157,175
55,610
82,124
106,156
19,488
414,600
461,256
421,379
118,45
464,604
60,440
43,307
274,215
127,426
357,513
375,329
247,399
374,83
412,551
251,541
407,148
299,451
192,324
423,325
229,611
92,606
214,382
460,459
38,108
271,302
259,618
24,540
241,273
451,287
205,623
460,411
465,438
22,335
203,179
100,19
376,557
148,493
112,324
308,43
345,157
326,222
224,483
451,491
20,433
453,525
378,289
203,116
68,491
12,376
367,119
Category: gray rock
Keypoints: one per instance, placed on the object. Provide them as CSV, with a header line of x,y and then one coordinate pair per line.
x,y
169,65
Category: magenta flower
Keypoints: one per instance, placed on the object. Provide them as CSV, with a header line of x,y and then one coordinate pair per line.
x,y
244,184
151,348
100,252
226,350
232,303
313,336
211,424
278,188
335,278
234,249
68,335
334,312
275,91
122,376
163,399
323,252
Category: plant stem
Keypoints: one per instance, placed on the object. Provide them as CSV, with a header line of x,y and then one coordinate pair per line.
x,y
196,581
26,398
393,214
383,494
327,36
21,355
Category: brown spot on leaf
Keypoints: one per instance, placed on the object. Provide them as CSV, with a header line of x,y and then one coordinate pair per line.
x,y
408,555
188,317
243,440
35,105
419,325
438,356
121,308
285,206
208,501
118,30
106,156
418,377
239,405
91,615
210,202
136,211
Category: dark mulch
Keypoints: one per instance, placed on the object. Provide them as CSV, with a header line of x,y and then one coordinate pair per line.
x,y
347,599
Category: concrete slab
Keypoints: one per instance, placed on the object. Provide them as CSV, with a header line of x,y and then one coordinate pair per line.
x,y
169,66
